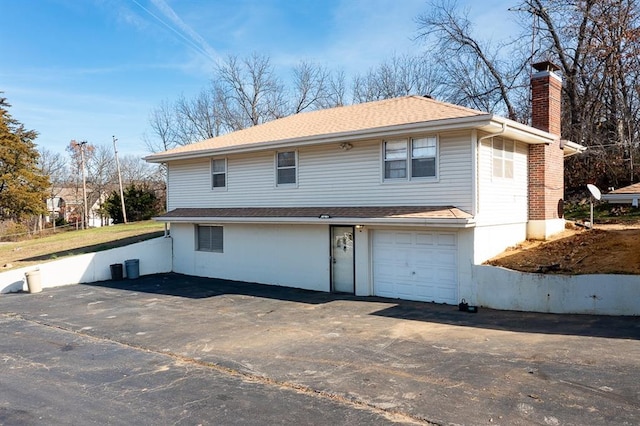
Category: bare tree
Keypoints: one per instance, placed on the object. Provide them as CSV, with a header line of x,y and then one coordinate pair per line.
x,y
336,91
101,168
54,165
478,73
248,92
310,87
197,118
400,76
137,171
596,45
163,127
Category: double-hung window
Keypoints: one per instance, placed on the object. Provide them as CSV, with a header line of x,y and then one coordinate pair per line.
x,y
410,158
502,153
395,159
286,168
423,157
219,173
209,238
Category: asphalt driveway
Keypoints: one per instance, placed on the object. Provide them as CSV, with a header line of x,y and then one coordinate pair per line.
x,y
173,349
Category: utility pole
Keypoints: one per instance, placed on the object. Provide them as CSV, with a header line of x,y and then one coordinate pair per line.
x,y
115,150
85,213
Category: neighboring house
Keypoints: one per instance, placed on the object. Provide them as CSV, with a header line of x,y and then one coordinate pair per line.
x,y
68,204
396,198
627,195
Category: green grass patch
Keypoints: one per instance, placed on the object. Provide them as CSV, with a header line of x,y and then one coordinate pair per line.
x,y
602,212
69,243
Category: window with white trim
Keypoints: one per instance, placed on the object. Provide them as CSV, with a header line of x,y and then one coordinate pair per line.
x,y
423,157
410,158
286,168
219,173
395,159
209,238
502,152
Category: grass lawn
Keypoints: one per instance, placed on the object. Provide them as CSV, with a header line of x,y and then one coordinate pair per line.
x,y
70,243
603,212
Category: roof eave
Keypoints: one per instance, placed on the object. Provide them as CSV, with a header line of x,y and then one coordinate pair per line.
x,y
485,122
471,122
621,197
388,221
572,148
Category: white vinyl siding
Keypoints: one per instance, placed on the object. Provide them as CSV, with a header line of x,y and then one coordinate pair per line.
x,y
502,199
326,176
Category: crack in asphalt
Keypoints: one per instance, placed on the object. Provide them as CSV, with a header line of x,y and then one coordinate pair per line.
x,y
391,414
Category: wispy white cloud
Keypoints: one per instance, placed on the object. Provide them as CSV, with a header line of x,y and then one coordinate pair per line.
x,y
180,28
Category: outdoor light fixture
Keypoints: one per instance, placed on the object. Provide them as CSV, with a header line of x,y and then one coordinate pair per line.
x,y
324,216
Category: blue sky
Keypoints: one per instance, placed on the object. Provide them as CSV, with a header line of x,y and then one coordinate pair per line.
x,y
90,69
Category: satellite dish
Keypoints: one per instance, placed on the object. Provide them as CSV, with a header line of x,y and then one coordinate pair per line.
x,y
594,191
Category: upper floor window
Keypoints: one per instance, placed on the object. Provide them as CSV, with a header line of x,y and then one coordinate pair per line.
x,y
423,157
219,173
502,152
286,167
395,159
413,158
209,238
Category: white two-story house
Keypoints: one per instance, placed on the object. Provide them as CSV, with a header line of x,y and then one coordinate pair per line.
x,y
395,198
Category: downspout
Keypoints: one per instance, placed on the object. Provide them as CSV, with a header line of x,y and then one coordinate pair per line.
x,y
504,129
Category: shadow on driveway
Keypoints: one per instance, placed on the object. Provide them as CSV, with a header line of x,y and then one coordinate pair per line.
x,y
173,284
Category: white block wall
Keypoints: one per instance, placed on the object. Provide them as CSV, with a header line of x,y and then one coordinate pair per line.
x,y
501,288
154,257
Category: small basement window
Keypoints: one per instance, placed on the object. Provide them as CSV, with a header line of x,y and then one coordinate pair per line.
x,y
209,238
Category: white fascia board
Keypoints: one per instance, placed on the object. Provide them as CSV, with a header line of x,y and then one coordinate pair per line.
x,y
444,223
572,148
523,133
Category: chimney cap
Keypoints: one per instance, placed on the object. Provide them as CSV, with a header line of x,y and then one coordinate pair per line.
x,y
545,66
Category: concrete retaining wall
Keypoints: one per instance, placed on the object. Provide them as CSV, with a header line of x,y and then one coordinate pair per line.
x,y
501,288
155,257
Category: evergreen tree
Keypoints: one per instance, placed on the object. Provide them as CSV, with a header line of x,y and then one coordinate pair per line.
x,y
22,184
141,203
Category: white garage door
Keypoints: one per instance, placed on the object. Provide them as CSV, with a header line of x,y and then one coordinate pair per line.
x,y
415,265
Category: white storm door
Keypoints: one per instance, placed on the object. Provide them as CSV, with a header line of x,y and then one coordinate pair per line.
x,y
342,264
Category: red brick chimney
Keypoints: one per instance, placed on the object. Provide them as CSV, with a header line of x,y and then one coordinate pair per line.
x,y
546,162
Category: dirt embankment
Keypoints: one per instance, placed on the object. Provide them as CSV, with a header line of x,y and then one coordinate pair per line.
x,y
607,249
